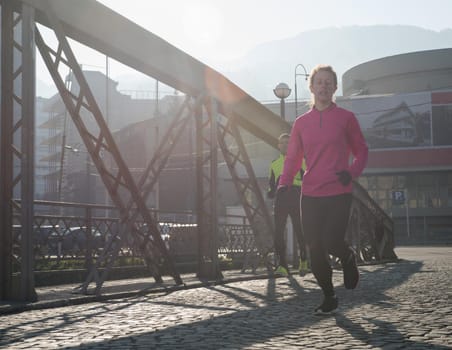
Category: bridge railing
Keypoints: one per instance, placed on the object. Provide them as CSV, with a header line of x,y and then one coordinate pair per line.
x,y
73,235
370,229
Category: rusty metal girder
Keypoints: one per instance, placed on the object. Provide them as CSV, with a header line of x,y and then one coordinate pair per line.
x,y
6,154
206,199
98,139
157,58
166,146
17,151
235,156
145,185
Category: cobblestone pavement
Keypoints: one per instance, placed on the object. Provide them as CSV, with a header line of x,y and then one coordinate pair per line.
x,y
403,305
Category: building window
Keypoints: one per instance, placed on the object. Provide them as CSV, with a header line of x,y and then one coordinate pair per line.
x,y
400,181
428,190
442,125
428,198
372,182
385,183
427,179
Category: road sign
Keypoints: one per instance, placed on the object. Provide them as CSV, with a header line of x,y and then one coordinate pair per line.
x,y
398,197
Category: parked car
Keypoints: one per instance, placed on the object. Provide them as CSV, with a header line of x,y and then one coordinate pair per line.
x,y
45,239
75,240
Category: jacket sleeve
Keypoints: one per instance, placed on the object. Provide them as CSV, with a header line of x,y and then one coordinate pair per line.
x,y
294,156
358,147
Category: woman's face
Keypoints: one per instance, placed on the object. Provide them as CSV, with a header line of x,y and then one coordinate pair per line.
x,y
283,144
323,87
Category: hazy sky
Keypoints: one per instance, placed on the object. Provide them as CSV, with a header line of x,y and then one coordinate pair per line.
x,y
237,26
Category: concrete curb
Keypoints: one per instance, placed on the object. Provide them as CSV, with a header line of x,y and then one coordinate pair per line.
x,y
18,307
77,299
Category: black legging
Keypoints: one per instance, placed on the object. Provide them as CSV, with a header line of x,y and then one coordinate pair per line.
x,y
288,204
324,221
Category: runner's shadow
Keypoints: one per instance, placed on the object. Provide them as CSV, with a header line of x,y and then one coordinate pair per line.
x,y
374,284
383,334
242,318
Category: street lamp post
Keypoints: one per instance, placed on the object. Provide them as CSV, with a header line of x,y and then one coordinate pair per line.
x,y
306,75
282,91
77,151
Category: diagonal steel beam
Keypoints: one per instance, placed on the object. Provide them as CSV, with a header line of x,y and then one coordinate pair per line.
x,y
167,144
145,185
155,57
120,185
236,156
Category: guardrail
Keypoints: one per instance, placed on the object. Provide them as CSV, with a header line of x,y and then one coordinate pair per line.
x,y
370,230
73,235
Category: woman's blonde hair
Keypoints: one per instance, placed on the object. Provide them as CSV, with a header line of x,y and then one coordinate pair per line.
x,y
314,71
319,68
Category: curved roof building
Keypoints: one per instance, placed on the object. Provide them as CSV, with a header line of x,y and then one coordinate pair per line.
x,y
411,72
404,106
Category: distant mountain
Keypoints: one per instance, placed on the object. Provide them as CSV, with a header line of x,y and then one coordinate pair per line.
x,y
273,62
270,63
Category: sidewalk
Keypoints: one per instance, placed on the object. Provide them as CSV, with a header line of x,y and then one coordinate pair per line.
x,y
397,305
64,295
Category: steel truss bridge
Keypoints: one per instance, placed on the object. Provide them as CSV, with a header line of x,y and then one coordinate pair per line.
x,y
220,110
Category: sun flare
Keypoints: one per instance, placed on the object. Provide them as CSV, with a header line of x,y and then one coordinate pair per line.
x,y
202,23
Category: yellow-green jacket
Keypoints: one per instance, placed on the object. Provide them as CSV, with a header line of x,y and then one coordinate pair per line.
x,y
275,170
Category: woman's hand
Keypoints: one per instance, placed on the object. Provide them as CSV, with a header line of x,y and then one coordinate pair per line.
x,y
344,177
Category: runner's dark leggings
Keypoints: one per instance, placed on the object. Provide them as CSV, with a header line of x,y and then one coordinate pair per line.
x,y
288,204
324,221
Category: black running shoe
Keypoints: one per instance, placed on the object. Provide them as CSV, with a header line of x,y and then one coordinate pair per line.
x,y
328,306
350,270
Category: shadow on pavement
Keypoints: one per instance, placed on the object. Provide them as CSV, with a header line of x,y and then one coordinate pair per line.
x,y
36,327
376,337
283,311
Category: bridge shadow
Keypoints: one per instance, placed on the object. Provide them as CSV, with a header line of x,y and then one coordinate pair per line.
x,y
282,311
37,327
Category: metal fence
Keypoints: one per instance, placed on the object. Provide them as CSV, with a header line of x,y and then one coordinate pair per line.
x,y
72,235
370,229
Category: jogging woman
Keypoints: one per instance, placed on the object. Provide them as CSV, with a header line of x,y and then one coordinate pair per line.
x,y
330,140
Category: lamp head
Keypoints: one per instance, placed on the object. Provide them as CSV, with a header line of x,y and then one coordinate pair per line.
x,y
282,90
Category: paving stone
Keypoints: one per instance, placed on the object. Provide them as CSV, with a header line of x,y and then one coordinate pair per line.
x,y
404,305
